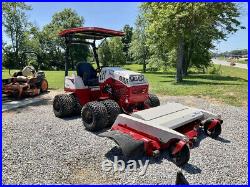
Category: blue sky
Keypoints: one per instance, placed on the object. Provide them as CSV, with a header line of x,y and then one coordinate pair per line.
x,y
116,15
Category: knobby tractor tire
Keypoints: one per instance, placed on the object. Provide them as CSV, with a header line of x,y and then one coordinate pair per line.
x,y
94,116
63,105
182,157
77,106
44,86
153,100
213,133
113,110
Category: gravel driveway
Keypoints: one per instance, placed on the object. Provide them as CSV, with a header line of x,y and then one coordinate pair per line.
x,y
40,148
226,63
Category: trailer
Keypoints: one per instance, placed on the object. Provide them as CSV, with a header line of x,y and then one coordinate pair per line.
x,y
171,126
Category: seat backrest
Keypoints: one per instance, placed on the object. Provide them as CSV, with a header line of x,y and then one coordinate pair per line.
x,y
29,71
85,70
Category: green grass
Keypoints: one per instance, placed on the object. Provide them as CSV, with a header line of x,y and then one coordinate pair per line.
x,y
55,78
229,87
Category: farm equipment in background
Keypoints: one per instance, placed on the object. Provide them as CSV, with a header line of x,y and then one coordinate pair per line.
x,y
100,95
26,82
172,126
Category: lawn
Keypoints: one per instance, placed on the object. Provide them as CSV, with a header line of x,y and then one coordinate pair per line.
x,y
229,87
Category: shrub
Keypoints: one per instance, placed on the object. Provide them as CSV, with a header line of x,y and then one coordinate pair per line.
x,y
215,70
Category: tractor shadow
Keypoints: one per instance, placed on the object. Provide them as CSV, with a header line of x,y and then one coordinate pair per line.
x,y
203,136
74,117
6,99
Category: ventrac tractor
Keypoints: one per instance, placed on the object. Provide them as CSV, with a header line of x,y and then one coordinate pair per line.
x,y
103,93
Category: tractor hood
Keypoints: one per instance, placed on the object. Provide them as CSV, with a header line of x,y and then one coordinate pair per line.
x,y
126,76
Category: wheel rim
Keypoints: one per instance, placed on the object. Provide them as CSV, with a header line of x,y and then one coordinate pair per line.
x,y
87,116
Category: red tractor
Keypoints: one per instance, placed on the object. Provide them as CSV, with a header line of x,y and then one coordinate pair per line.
x,y
101,94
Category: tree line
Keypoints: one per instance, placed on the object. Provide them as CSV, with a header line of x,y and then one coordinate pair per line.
x,y
166,35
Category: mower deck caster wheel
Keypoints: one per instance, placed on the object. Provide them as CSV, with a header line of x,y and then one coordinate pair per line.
x,y
182,157
213,133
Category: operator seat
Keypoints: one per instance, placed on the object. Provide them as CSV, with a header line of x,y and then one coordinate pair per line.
x,y
88,74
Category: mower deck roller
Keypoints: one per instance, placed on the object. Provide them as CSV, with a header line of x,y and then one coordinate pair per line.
x,y
172,126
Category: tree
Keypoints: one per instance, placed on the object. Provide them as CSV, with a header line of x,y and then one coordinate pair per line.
x,y
190,28
111,52
68,18
117,55
126,40
15,26
139,50
104,53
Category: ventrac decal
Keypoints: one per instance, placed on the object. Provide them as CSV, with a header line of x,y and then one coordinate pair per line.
x,y
123,79
111,72
102,75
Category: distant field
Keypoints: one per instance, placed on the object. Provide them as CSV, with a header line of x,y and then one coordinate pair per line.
x,y
229,87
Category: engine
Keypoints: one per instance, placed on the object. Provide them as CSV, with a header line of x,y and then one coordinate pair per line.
x,y
126,87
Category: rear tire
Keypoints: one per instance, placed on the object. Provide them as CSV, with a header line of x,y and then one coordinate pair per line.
x,y
153,100
113,110
44,86
77,106
63,105
182,157
94,116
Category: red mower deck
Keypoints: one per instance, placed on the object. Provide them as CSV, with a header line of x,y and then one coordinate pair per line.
x,y
171,126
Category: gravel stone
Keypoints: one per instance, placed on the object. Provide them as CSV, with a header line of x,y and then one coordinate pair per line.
x,y
39,148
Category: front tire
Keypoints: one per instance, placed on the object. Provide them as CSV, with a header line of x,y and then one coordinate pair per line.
x,y
153,100
44,86
113,110
63,105
94,116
